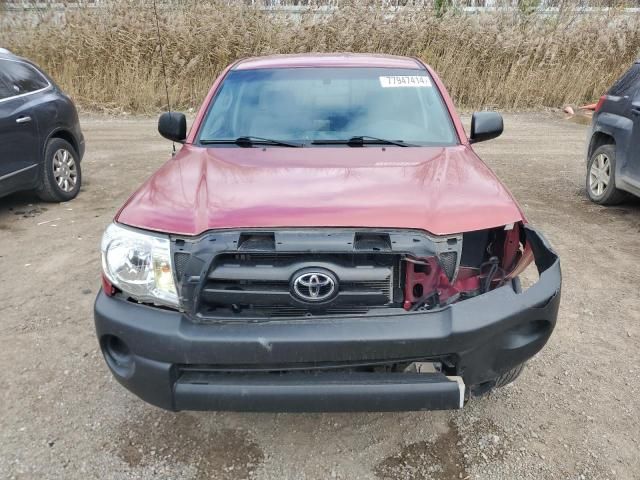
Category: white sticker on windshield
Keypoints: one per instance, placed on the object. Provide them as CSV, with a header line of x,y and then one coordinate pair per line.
x,y
405,81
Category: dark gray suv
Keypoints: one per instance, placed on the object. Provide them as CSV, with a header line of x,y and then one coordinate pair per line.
x,y
613,158
41,144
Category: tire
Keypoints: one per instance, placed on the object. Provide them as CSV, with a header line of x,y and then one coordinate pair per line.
x,y
508,377
61,161
485,388
601,168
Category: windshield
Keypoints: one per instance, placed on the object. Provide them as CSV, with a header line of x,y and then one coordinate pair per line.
x,y
307,105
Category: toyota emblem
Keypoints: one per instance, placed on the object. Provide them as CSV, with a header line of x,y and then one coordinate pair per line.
x,y
314,286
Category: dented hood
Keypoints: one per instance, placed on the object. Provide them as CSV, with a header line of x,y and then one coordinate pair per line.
x,y
441,190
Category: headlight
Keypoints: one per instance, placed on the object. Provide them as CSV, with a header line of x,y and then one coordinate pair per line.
x,y
139,264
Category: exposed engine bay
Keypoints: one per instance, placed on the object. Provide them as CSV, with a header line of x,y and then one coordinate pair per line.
x,y
488,259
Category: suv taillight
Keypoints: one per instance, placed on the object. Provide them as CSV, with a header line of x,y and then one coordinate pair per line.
x,y
600,102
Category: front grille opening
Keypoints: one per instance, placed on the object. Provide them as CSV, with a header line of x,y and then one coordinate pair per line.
x,y
382,286
259,285
248,285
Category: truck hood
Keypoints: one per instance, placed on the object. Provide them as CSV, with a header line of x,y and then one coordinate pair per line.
x,y
442,190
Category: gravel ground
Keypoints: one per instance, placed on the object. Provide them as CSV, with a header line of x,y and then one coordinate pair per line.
x,y
573,414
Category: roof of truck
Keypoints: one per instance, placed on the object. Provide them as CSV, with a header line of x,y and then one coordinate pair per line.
x,y
328,60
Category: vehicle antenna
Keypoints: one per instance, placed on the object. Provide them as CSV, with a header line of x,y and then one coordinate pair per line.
x,y
164,69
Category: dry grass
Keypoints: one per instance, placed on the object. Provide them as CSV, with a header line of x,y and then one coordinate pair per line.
x,y
108,58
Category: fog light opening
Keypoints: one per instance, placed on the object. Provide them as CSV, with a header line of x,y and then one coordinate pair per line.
x,y
117,355
526,335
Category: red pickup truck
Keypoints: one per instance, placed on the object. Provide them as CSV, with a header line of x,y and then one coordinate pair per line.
x,y
325,239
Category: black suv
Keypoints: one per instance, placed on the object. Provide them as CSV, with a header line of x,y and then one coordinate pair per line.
x,y
41,144
613,158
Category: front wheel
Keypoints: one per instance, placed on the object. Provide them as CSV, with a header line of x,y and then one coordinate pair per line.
x,y
61,174
506,378
510,376
601,179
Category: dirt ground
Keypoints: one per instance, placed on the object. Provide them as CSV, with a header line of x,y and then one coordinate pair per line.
x,y
573,414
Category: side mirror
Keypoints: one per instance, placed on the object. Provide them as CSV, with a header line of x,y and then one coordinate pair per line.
x,y
173,125
485,126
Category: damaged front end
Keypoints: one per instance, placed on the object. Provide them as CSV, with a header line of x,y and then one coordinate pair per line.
x,y
400,320
475,263
256,275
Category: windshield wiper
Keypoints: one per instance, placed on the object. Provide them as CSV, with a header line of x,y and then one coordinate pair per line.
x,y
250,141
361,140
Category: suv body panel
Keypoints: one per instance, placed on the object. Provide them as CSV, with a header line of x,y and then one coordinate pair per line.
x,y
20,154
619,118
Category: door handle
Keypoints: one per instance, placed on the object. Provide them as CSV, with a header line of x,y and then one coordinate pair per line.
x,y
23,119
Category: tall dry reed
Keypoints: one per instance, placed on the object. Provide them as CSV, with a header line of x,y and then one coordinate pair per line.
x,y
108,57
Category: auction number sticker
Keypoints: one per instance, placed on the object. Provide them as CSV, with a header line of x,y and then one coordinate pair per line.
x,y
397,81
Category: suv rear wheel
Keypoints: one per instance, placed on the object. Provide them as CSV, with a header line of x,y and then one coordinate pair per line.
x,y
61,175
601,181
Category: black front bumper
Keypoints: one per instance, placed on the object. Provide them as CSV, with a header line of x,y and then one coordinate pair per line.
x,y
177,364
